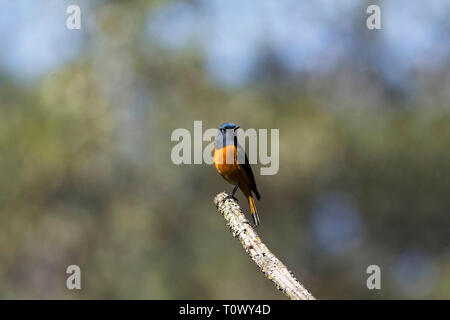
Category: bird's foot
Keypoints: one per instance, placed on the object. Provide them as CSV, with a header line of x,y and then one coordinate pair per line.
x,y
231,194
232,197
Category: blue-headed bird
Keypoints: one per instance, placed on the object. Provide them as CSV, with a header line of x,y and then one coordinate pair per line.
x,y
232,163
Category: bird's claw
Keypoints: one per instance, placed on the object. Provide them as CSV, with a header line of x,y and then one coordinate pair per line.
x,y
232,197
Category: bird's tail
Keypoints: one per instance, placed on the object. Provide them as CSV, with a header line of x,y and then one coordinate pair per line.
x,y
253,210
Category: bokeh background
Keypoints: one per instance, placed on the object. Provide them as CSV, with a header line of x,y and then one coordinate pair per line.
x,y
86,118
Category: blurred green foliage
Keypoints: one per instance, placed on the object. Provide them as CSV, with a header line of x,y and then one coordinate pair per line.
x,y
86,178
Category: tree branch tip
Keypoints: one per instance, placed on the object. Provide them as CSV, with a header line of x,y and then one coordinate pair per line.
x,y
267,262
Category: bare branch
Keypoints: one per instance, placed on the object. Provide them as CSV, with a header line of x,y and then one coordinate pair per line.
x,y
269,264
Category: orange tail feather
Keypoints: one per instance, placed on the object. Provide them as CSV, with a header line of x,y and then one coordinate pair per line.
x,y
253,210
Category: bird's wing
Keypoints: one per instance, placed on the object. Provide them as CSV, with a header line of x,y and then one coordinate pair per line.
x,y
248,170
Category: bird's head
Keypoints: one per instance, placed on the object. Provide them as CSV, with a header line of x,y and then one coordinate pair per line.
x,y
226,135
228,126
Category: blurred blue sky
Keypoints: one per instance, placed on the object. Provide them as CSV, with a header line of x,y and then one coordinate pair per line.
x,y
235,36
34,38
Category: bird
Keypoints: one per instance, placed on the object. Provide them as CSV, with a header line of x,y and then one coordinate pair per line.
x,y
234,170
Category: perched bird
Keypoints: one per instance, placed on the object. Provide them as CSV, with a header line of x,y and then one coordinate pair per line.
x,y
232,163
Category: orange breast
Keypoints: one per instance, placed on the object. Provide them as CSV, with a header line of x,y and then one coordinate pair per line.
x,y
232,172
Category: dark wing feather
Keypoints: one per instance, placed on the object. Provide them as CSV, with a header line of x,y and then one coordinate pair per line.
x,y
248,171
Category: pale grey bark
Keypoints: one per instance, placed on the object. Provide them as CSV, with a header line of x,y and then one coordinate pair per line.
x,y
269,264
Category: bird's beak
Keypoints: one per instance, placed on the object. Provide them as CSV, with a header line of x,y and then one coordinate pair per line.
x,y
236,128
